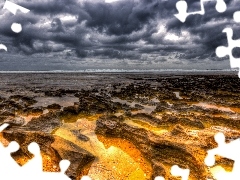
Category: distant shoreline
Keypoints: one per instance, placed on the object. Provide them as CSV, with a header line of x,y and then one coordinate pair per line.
x,y
116,71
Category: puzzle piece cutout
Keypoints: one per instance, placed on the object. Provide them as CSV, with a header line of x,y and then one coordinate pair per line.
x,y
35,164
182,7
159,178
228,150
85,178
236,16
10,169
16,27
13,8
2,46
3,126
177,171
222,51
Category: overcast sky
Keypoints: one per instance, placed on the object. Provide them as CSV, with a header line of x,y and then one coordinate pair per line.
x,y
126,34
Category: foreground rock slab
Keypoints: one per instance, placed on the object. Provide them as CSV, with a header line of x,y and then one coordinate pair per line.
x,y
53,149
162,151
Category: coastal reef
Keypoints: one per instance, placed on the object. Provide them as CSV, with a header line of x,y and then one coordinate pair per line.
x,y
121,126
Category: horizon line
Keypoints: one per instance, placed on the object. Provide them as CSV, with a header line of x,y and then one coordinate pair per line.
x,y
117,70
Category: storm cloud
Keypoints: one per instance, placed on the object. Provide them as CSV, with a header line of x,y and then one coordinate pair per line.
x,y
126,34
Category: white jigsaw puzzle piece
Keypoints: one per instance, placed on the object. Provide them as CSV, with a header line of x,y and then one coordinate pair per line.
x,y
64,164
86,178
40,175
228,150
13,8
159,178
182,10
236,16
2,46
3,126
35,164
16,27
222,51
182,7
10,169
8,165
176,171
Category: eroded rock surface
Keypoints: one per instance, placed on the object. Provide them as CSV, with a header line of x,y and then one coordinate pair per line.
x,y
176,147
53,149
45,123
171,119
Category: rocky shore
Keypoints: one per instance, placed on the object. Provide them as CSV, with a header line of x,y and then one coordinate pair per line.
x,y
121,126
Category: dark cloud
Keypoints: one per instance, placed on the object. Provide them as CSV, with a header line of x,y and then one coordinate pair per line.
x,y
51,7
121,18
56,25
126,32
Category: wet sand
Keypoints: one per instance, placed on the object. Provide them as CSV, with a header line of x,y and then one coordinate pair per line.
x,y
121,125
